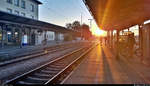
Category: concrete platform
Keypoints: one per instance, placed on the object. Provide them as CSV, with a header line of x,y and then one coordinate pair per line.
x,y
15,51
101,67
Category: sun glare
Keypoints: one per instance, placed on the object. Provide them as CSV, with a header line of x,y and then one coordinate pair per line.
x,y
98,32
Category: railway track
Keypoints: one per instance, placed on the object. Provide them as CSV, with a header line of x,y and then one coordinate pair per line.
x,y
52,72
37,54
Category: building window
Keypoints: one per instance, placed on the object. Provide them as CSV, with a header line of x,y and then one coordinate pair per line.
x,y
32,8
16,12
9,10
17,2
23,4
10,1
23,14
32,17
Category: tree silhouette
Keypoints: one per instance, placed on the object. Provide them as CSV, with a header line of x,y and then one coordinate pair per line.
x,y
84,29
69,25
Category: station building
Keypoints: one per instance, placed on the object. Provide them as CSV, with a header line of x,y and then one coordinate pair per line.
x,y
25,8
19,24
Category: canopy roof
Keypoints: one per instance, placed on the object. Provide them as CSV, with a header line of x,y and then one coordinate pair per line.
x,y
119,14
12,18
37,1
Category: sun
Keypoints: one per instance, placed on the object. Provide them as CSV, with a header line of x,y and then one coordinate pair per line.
x,y
96,31
99,32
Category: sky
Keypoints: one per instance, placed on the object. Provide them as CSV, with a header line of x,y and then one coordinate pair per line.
x,y
61,12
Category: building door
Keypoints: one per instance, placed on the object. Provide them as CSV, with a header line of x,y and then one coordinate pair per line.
x,y
9,36
16,37
33,39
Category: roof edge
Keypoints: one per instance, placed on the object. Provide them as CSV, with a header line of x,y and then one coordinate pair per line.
x,y
37,1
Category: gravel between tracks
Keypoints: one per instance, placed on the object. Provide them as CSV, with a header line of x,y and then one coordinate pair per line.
x,y
13,70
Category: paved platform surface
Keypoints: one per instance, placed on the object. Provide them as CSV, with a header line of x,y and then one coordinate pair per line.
x,y
16,51
101,67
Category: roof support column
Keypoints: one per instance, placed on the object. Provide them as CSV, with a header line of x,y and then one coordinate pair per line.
x,y
141,40
30,36
117,46
3,27
111,37
45,37
56,36
140,36
13,35
108,37
106,41
20,36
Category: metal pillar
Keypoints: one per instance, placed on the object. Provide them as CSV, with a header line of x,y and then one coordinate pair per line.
x,y
13,35
128,29
56,36
108,38
111,36
45,37
117,47
141,39
30,36
20,36
2,44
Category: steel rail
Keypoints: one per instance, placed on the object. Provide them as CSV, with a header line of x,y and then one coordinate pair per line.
x,y
12,81
55,79
37,54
